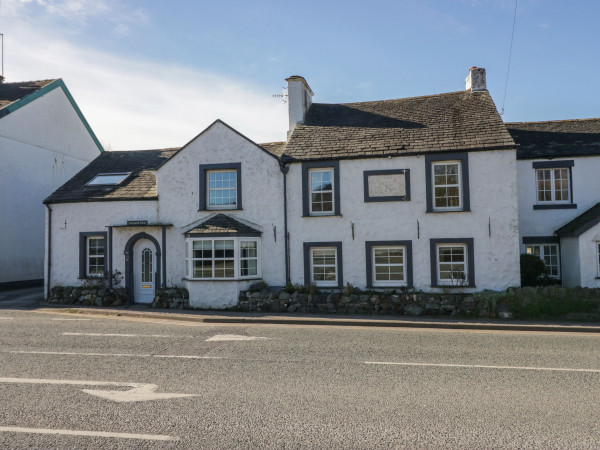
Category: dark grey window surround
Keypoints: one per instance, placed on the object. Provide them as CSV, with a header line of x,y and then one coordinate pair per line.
x,y
567,163
541,240
433,243
203,191
408,259
464,162
340,265
83,236
392,198
306,166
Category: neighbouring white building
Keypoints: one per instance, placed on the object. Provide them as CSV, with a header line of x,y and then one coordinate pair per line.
x,y
559,193
44,141
410,193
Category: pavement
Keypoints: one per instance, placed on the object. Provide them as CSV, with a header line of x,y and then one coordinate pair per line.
x,y
32,299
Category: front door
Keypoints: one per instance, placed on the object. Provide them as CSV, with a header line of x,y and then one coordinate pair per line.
x,y
144,266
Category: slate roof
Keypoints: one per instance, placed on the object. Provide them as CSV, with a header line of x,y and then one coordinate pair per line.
x,y
12,92
223,225
559,138
274,148
445,122
140,185
581,223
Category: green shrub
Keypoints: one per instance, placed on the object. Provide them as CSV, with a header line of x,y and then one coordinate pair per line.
x,y
289,288
533,270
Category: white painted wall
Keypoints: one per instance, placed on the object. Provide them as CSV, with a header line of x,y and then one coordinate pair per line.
x,y
262,203
42,145
178,185
69,219
588,257
570,262
586,189
493,196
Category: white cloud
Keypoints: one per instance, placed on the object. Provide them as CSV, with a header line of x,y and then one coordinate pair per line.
x,y
134,104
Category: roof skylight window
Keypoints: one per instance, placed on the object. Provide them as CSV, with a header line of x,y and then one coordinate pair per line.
x,y
105,179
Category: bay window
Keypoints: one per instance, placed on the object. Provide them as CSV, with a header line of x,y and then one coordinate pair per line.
x,y
222,259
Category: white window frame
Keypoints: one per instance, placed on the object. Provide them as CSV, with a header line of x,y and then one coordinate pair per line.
x,y
459,185
552,200
324,283
598,258
453,281
310,191
380,283
88,256
242,258
189,260
529,250
209,189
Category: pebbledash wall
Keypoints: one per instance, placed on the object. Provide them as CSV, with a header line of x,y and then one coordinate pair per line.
x,y
492,221
43,144
178,207
578,255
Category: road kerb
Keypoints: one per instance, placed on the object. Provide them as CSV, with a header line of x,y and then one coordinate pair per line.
x,y
329,321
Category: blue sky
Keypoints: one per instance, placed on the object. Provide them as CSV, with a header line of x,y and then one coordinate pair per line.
x,y
151,74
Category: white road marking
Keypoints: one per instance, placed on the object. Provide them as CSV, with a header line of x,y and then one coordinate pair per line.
x,y
107,434
79,354
139,392
476,366
187,356
233,337
121,335
73,319
133,355
6,318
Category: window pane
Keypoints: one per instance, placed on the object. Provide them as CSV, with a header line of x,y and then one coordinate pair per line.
x,y
222,188
452,264
249,267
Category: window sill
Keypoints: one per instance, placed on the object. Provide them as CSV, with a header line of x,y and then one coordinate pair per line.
x,y
453,286
220,210
556,206
387,288
449,211
220,280
323,215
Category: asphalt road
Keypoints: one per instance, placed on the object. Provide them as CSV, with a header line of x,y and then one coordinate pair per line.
x,y
290,386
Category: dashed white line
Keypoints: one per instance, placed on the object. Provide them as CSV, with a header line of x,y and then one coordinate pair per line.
x,y
187,356
6,318
106,434
477,366
78,354
73,319
121,335
233,337
131,355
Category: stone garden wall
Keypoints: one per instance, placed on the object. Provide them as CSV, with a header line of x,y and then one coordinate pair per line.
x,y
172,298
528,302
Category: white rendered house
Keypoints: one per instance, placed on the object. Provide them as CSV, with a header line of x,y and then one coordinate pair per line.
x,y
557,171
44,141
397,194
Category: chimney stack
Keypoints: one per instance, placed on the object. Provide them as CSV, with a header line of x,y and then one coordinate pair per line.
x,y
299,100
475,81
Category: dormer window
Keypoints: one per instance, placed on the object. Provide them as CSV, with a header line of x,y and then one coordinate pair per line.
x,y
108,179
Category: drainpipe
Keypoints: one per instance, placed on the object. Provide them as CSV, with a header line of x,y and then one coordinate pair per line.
x,y
49,252
284,170
110,259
